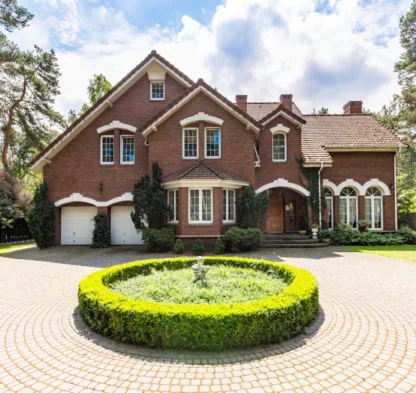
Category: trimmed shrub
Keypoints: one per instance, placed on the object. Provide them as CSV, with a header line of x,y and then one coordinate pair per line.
x,y
219,246
325,234
408,234
198,326
41,217
178,248
355,237
198,248
159,240
101,236
364,224
238,239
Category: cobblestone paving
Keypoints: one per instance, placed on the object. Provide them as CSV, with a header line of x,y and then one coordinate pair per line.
x,y
364,339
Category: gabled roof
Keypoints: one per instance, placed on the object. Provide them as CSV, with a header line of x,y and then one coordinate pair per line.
x,y
258,110
202,170
282,110
200,86
358,132
107,100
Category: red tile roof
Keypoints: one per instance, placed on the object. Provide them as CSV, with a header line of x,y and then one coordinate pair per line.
x,y
357,130
202,170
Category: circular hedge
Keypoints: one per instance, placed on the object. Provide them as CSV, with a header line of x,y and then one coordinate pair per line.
x,y
198,326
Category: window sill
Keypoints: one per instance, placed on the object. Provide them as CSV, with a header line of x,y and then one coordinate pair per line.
x,y
213,158
201,223
190,158
279,160
127,163
107,163
157,99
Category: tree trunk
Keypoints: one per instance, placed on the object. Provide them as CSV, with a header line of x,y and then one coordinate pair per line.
x,y
9,127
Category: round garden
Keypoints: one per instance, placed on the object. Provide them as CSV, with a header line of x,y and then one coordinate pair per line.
x,y
182,303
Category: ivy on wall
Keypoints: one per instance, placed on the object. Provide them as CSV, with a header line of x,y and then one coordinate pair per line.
x,y
312,185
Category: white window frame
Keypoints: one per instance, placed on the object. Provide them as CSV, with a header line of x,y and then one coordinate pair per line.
x,y
285,136
227,198
175,206
197,143
331,201
200,221
205,143
347,198
151,92
122,137
372,198
101,150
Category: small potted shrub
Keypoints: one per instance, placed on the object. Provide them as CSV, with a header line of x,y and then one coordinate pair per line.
x,y
303,223
364,225
325,235
315,229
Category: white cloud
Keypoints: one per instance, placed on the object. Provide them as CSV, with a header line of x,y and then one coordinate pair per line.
x,y
257,47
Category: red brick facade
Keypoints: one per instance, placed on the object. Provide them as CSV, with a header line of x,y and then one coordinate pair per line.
x,y
76,169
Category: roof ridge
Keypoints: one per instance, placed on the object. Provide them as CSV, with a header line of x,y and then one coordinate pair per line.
x,y
337,114
284,109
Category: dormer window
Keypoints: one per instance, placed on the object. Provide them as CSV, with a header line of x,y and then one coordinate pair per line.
x,y
157,91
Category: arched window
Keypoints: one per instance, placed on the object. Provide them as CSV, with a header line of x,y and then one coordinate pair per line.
x,y
348,203
279,147
329,199
374,207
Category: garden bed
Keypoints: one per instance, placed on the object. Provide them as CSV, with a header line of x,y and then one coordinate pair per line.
x,y
263,320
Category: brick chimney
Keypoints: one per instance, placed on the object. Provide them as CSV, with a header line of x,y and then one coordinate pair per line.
x,y
241,101
352,107
286,101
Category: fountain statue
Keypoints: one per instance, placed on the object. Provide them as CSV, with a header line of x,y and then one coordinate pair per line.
x,y
200,272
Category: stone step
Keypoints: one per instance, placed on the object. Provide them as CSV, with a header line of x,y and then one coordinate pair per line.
x,y
292,245
290,241
286,236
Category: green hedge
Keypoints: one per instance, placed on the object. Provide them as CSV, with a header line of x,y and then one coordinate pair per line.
x,y
204,327
354,237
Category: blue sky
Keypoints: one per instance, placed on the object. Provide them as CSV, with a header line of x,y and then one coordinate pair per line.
x,y
324,52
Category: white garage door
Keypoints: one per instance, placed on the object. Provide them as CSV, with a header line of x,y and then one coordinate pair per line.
x,y
77,225
122,227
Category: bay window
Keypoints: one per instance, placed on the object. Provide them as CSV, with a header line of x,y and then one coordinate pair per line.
x,y
228,206
173,203
200,206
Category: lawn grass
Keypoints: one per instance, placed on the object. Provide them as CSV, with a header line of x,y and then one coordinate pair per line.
x,y
405,252
226,284
5,248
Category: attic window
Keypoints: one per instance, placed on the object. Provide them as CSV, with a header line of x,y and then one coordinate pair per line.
x,y
157,91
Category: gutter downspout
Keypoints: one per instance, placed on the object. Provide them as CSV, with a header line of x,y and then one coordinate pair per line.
x,y
320,198
395,191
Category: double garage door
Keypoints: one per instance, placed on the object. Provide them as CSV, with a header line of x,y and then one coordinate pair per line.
x,y
77,226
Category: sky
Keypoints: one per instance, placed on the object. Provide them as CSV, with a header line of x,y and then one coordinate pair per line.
x,y
324,52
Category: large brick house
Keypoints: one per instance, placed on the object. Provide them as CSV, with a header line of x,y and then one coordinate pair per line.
x,y
209,148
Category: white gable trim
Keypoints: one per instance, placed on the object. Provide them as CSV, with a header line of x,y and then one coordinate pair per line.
x,y
76,197
284,184
328,184
280,128
192,94
377,183
201,116
285,115
39,164
116,125
350,183
201,183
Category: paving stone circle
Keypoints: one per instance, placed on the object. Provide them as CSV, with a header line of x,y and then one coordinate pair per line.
x,y
364,339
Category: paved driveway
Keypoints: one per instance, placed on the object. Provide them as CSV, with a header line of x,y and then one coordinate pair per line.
x,y
364,339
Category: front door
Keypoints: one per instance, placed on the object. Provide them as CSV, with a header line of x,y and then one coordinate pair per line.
x,y
275,214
